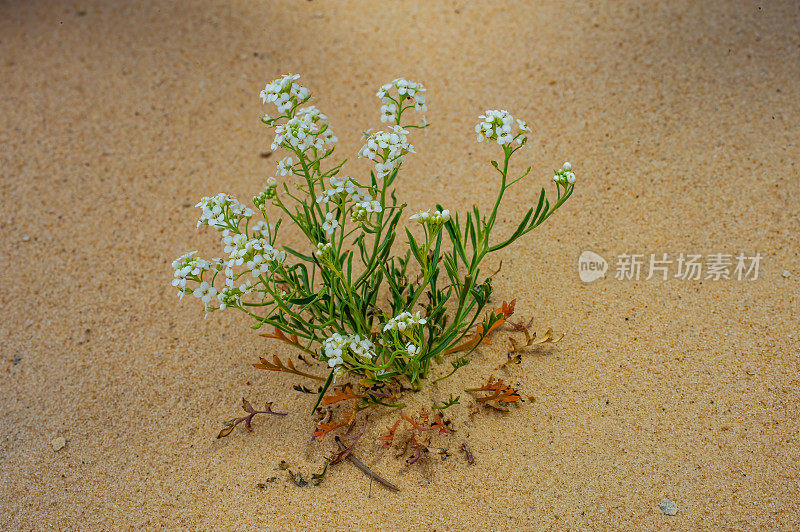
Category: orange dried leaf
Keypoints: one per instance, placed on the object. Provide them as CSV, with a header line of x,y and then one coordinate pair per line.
x,y
387,439
501,392
342,394
324,428
505,310
440,424
288,367
413,422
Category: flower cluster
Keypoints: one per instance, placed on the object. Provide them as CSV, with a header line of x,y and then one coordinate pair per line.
x,y
324,251
386,149
222,211
564,175
337,346
392,106
231,296
497,125
255,253
267,194
340,188
285,93
306,129
403,321
188,267
431,219
362,209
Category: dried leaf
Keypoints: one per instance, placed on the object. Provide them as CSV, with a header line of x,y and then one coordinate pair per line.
x,y
388,439
503,313
230,424
341,394
417,449
278,365
501,392
441,424
324,428
415,425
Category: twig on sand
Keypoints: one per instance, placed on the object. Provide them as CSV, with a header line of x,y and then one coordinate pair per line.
x,y
364,469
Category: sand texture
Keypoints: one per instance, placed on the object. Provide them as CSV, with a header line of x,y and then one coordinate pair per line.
x,y
681,120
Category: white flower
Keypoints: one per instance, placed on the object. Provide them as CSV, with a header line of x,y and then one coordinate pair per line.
x,y
205,292
421,217
307,129
231,296
403,90
388,112
222,211
324,250
412,349
285,93
435,219
255,253
340,189
371,206
386,149
285,166
497,125
404,320
187,267
564,175
262,229
330,224
337,346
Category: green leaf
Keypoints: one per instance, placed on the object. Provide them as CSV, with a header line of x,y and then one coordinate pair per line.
x,y
325,387
297,254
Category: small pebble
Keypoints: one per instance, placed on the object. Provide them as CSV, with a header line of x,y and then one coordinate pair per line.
x,y
25,238
668,507
58,443
786,274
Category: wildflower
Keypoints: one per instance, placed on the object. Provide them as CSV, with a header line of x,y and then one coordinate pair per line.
x,y
337,346
403,321
189,267
412,349
421,217
406,90
222,211
388,112
340,188
333,347
386,149
564,175
305,130
205,292
497,125
255,253
262,229
435,219
285,93
231,296
285,166
324,250
330,224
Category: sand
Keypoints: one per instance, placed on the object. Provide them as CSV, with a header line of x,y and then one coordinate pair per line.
x,y
681,121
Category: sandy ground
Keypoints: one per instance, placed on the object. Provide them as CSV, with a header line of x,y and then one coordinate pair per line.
x,y
681,119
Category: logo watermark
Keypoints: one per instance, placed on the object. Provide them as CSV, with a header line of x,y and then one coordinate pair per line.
x,y
591,266
684,266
